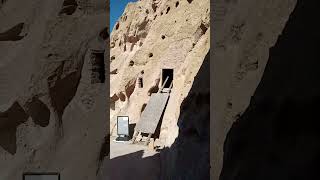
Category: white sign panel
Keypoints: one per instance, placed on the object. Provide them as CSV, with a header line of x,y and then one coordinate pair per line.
x,y
123,125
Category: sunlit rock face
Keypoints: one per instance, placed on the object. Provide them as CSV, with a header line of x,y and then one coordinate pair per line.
x,y
152,35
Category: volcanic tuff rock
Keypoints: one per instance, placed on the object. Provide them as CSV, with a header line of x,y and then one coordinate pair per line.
x,y
244,32
276,137
152,35
52,90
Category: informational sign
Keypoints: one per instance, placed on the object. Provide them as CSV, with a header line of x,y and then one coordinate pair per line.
x,y
123,125
41,176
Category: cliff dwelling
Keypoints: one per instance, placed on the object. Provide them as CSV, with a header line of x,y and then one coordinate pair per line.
x,y
166,73
173,65
97,64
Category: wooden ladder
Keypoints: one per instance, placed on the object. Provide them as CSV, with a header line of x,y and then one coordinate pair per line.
x,y
137,133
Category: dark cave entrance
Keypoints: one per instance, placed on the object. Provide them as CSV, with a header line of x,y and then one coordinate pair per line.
x,y
167,73
98,67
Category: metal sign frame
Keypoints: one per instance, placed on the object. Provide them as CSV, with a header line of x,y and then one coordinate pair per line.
x,y
40,174
118,118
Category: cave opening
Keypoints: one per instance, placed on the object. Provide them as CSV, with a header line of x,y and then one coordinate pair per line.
x,y
104,34
13,34
143,107
98,67
167,74
168,9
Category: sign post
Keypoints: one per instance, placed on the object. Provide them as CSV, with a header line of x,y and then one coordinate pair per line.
x,y
122,128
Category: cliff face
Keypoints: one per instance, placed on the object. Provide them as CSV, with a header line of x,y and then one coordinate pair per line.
x,y
151,36
267,92
277,135
189,158
52,92
244,32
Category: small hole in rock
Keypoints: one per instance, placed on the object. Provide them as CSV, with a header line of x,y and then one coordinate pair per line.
x,y
143,107
112,58
104,33
69,7
177,3
163,36
114,71
229,105
259,35
69,3
140,80
203,28
12,34
168,9
125,18
131,63
150,55
147,11
117,26
189,1
112,44
154,7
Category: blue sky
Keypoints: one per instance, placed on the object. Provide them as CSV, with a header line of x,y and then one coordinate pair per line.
x,y
116,10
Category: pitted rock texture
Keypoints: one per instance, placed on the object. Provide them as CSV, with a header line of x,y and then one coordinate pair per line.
x,y
243,33
152,35
53,87
277,135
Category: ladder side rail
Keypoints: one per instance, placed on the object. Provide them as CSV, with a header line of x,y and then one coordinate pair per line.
x,y
163,84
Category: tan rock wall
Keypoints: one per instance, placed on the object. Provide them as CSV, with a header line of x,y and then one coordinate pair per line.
x,y
153,35
48,67
244,32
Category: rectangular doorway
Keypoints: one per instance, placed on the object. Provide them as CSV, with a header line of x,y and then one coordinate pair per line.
x,y
98,66
167,73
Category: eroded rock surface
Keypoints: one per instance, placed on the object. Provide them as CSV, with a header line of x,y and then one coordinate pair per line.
x,y
53,87
244,32
277,135
152,35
